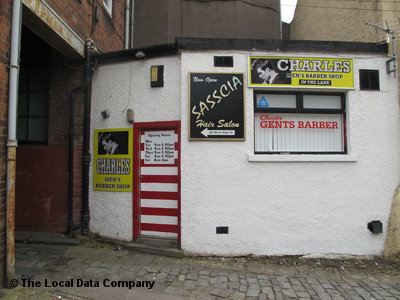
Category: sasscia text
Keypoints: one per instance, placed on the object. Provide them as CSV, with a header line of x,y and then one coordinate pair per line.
x,y
216,97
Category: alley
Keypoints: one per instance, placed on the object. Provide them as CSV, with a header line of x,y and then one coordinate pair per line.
x,y
91,269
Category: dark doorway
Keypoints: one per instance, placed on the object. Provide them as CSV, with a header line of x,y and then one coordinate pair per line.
x,y
42,165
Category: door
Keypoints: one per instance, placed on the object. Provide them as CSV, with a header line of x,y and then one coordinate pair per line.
x,y
42,189
157,180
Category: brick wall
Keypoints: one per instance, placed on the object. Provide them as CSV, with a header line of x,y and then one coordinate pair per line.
x,y
5,27
107,32
65,76
40,209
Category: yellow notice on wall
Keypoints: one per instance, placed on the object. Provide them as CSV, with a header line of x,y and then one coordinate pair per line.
x,y
113,160
301,72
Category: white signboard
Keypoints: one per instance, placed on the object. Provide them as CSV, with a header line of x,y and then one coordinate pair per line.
x,y
159,147
280,132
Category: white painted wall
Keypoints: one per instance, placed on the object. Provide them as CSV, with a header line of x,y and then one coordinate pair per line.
x,y
118,87
301,204
273,205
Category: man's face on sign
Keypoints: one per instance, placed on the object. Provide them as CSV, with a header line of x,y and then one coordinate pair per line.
x,y
265,75
107,145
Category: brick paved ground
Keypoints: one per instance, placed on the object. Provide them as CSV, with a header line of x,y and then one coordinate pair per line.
x,y
193,278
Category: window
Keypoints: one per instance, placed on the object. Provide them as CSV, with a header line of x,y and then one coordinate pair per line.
x,y
369,80
33,105
108,5
299,123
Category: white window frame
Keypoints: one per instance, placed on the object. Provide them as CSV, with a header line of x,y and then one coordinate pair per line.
x,y
300,111
108,5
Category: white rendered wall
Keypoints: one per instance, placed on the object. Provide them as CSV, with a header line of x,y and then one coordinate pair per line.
x,y
299,204
118,87
273,205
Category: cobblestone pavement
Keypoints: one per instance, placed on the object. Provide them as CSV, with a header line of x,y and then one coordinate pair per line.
x,y
192,278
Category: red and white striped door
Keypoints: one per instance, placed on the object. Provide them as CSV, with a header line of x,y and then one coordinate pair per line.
x,y
158,199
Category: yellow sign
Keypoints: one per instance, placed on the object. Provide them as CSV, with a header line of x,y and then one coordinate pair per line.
x,y
113,160
301,72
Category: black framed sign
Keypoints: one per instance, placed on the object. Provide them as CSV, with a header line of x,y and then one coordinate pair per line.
x,y
216,106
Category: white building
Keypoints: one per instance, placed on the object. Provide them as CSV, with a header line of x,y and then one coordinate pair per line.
x,y
296,167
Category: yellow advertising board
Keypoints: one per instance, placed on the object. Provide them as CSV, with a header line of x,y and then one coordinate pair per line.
x,y
113,160
301,72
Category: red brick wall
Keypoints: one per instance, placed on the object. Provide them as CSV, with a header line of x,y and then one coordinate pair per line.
x,y
65,76
108,32
108,35
64,79
5,31
48,165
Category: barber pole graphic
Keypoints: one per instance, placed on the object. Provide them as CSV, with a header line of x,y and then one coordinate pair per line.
x,y
158,200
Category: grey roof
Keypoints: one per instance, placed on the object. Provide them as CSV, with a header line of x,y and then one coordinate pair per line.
x,y
240,44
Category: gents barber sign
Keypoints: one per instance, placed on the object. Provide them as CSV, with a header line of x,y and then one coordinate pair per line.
x,y
279,132
112,167
216,108
303,72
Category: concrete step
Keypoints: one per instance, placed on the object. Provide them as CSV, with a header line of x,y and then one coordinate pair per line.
x,y
44,238
163,247
144,248
158,242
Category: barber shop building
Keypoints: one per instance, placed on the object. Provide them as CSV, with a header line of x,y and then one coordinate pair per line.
x,y
231,141
238,147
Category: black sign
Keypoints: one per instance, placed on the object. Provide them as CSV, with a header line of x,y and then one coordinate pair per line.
x,y
216,106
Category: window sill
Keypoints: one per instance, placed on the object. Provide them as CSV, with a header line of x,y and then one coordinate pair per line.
x,y
301,158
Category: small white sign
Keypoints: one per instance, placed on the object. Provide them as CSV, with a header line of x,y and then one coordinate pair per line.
x,y
159,147
206,132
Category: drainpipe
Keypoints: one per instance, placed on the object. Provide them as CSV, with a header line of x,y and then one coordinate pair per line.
x,y
280,20
12,137
85,217
71,225
131,22
127,9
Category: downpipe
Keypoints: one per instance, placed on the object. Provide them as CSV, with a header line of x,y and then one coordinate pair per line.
x,y
71,225
12,138
10,247
127,11
85,216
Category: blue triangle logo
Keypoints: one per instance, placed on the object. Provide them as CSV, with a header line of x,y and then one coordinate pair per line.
x,y
263,102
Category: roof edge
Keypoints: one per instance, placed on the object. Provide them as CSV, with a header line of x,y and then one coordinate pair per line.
x,y
184,43
278,45
131,54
